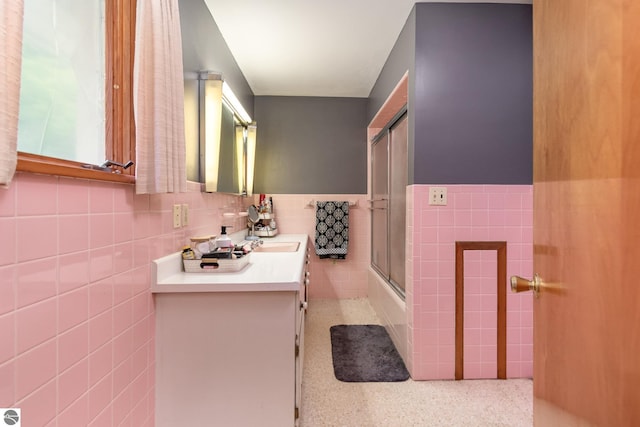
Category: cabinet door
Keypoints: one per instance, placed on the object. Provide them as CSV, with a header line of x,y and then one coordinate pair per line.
x,y
218,354
299,365
300,323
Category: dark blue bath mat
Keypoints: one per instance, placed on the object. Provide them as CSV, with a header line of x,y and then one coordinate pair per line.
x,y
365,353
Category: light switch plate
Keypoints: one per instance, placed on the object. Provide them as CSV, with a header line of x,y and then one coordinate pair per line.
x,y
177,216
438,196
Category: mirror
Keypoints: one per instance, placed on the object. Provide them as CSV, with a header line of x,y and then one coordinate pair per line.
x,y
228,161
201,44
229,173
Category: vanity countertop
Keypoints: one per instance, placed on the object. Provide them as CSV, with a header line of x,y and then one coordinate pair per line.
x,y
266,271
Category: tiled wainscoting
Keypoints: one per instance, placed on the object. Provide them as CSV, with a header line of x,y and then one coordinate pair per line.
x,y
473,213
330,278
76,313
77,317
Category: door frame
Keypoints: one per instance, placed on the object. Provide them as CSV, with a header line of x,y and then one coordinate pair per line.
x,y
501,253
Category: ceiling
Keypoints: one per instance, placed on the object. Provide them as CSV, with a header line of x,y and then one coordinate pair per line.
x,y
313,47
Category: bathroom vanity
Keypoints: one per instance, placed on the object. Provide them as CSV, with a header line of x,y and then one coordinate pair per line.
x,y
229,346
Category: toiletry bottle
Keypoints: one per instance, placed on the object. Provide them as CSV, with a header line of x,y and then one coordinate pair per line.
x,y
223,240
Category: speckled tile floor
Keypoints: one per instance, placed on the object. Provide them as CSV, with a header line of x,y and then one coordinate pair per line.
x,y
329,402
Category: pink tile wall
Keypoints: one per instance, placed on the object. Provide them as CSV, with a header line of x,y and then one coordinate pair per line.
x,y
480,315
329,278
473,213
76,314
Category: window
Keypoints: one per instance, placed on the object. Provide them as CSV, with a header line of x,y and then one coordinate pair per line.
x,y
76,101
62,92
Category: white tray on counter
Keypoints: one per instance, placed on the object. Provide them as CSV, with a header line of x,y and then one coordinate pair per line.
x,y
223,265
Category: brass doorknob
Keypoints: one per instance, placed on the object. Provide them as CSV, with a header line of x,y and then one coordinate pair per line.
x,y
518,284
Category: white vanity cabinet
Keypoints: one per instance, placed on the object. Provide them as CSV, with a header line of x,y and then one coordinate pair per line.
x,y
229,349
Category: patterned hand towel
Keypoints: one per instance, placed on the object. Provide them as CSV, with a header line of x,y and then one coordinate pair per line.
x,y
332,229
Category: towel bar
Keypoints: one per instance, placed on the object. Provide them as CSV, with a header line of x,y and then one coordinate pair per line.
x,y
312,203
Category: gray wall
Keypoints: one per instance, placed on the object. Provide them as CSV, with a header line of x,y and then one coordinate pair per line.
x,y
473,94
204,49
400,60
311,145
470,92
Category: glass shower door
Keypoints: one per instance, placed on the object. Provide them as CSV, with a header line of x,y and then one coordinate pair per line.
x,y
379,205
398,178
389,178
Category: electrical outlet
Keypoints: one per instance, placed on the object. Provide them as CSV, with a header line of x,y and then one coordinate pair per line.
x,y
177,216
185,214
438,196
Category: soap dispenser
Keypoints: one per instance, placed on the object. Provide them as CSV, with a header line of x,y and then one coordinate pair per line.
x,y
223,240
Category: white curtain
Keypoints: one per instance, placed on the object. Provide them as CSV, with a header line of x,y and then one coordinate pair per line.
x,y
11,15
159,99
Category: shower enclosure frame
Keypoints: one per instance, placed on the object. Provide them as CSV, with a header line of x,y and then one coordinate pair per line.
x,y
388,201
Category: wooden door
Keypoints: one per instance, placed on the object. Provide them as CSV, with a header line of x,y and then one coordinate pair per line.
x,y
587,212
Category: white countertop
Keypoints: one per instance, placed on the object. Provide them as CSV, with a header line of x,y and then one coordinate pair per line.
x,y
266,271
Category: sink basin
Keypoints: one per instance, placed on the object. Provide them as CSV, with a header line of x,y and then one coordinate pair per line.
x,y
278,247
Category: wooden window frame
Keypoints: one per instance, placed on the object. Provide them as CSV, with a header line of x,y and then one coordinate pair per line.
x,y
120,127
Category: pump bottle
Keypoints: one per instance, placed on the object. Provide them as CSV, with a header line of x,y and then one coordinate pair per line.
x,y
223,240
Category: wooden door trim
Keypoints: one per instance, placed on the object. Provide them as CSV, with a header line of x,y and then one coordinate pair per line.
x,y
501,253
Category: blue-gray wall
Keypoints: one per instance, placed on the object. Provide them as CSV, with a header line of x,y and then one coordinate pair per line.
x,y
311,145
470,93
473,94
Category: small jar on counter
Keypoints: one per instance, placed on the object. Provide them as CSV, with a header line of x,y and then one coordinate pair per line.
x,y
188,253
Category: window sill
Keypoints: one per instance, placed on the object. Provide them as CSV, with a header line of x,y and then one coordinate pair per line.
x,y
51,166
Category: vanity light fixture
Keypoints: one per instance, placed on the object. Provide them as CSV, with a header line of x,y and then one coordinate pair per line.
x,y
213,92
241,159
232,101
210,125
252,131
246,157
